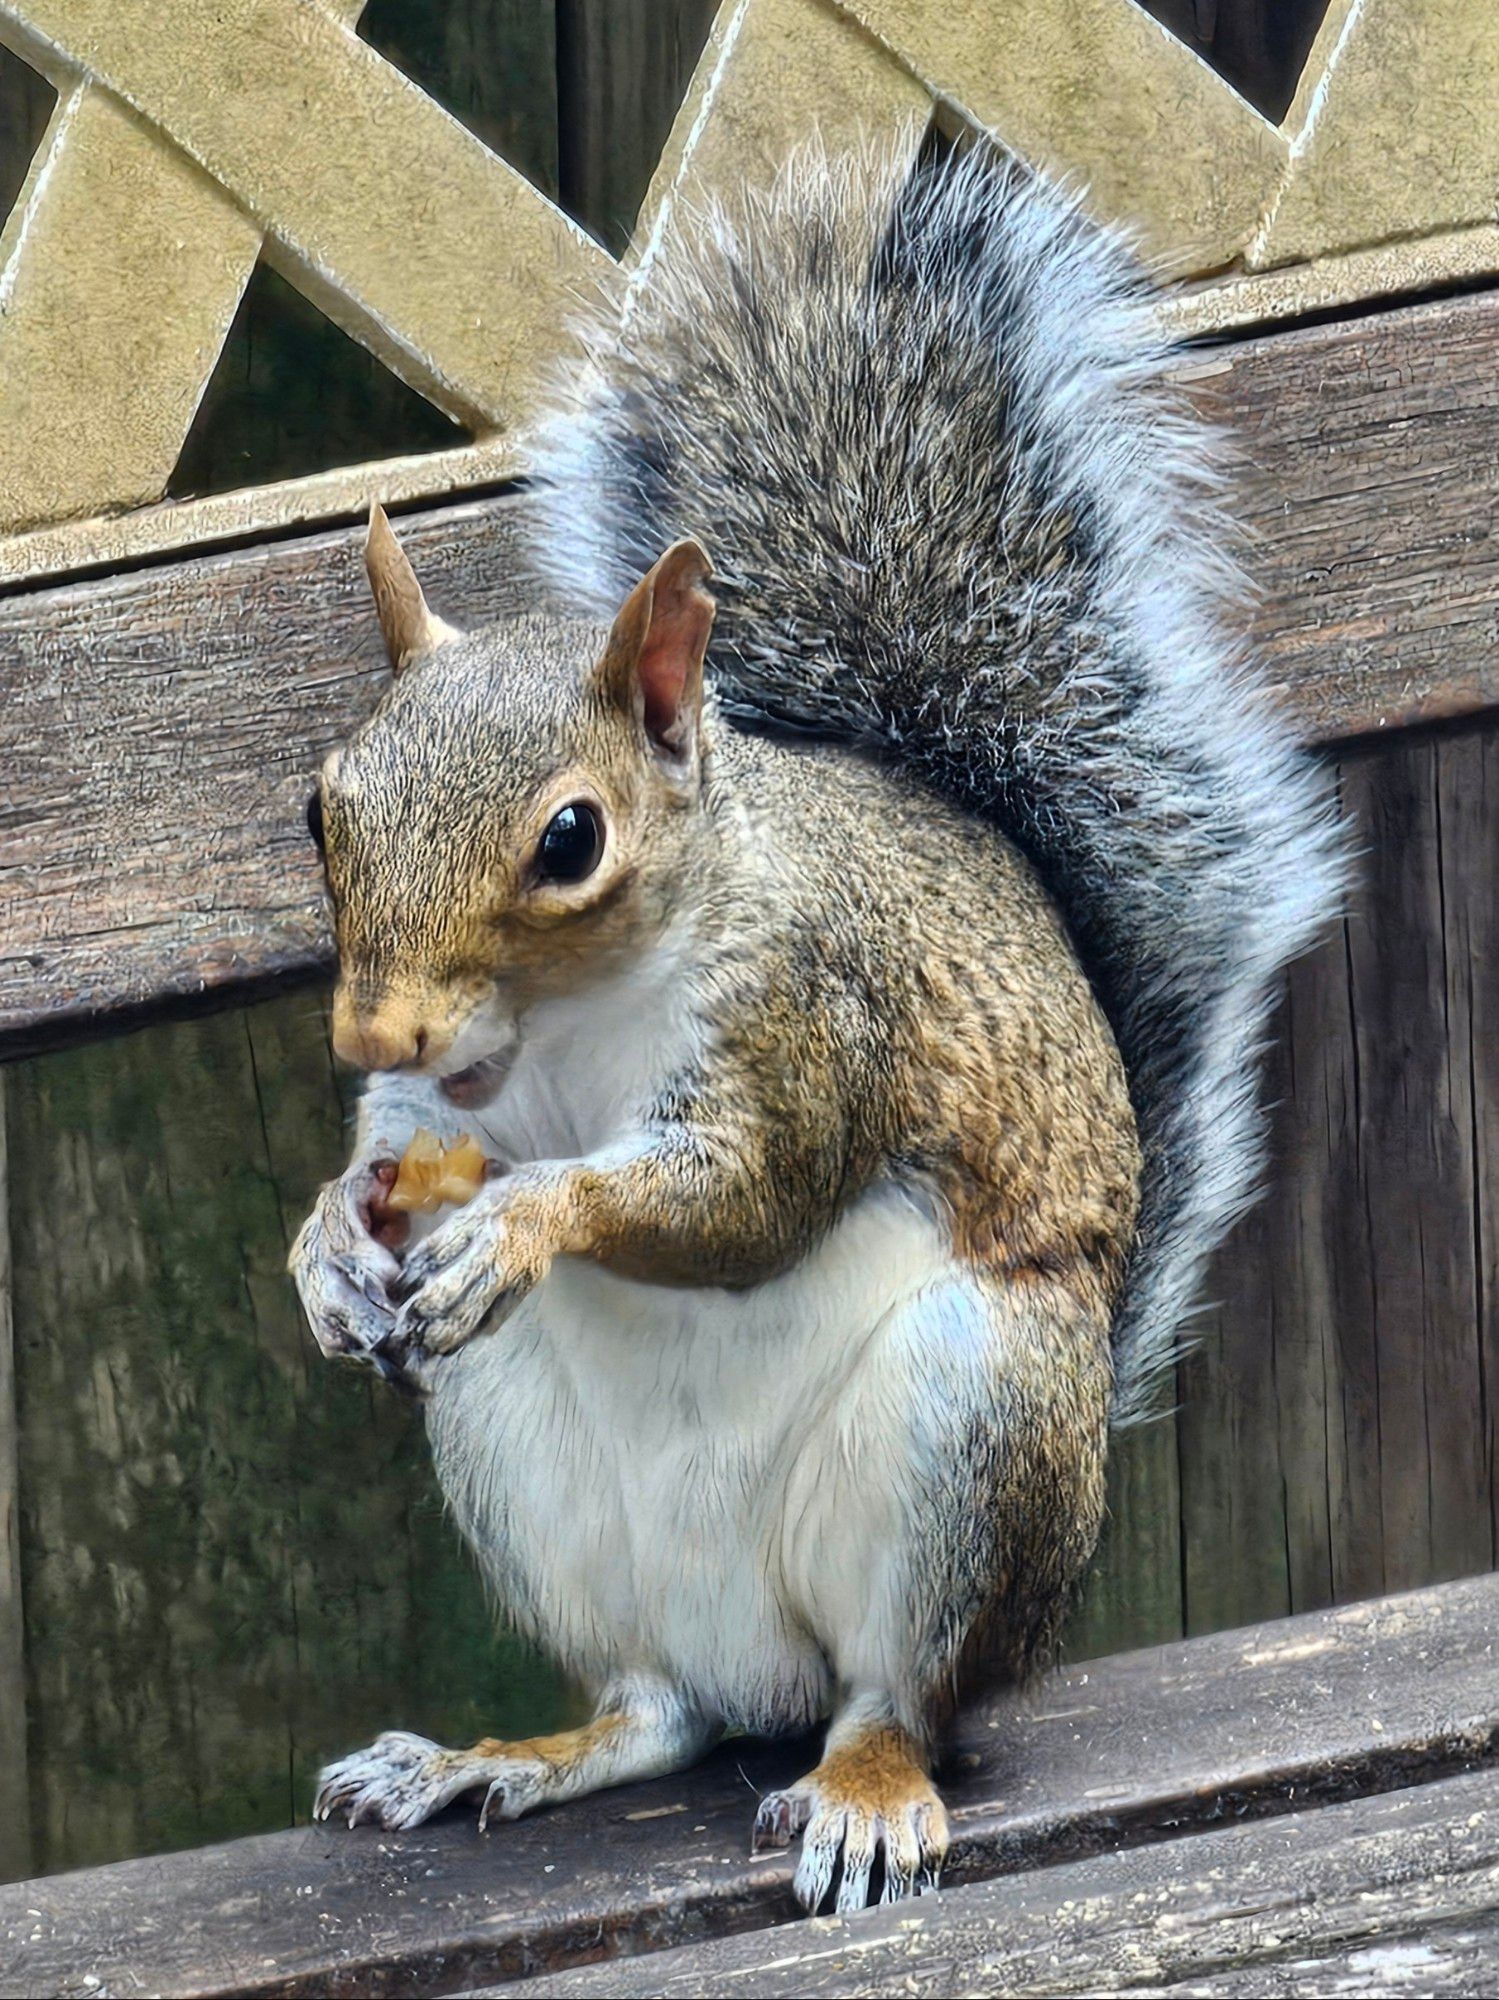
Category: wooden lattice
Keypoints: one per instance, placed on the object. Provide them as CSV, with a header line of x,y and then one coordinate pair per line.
x,y
189,140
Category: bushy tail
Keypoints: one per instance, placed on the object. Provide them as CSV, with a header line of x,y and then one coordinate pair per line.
x,y
959,517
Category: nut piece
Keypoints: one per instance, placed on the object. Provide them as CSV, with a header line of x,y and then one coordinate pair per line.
x,y
432,1175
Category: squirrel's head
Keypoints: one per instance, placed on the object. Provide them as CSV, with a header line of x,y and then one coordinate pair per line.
x,y
519,815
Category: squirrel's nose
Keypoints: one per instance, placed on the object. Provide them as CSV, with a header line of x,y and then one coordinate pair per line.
x,y
384,1039
375,1045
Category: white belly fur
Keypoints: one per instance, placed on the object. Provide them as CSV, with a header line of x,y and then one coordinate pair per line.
x,y
697,1482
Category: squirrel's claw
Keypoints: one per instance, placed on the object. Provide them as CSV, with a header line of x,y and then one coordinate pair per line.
x,y
369,1277
345,1278
842,1840
459,1281
442,1318
473,1229
404,1367
349,1314
778,1820
398,1782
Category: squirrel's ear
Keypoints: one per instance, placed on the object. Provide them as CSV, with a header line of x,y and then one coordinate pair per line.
x,y
653,663
410,629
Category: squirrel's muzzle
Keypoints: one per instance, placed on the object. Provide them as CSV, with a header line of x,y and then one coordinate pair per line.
x,y
389,1035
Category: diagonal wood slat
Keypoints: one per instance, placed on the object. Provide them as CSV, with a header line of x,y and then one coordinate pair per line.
x,y
422,244
379,205
1396,135
103,357
744,112
160,728
1163,142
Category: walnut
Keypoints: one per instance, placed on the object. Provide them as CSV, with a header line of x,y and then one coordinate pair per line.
x,y
432,1175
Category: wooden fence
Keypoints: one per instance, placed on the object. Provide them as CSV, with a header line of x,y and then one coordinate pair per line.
x,y
227,1559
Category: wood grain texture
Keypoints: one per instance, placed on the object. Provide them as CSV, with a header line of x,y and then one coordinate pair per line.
x,y
235,1562
1123,1752
160,727
1386,1895
153,837
15,1799
1372,495
1335,1428
1132,1594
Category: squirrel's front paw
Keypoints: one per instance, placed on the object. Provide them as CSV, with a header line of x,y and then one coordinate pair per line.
x,y
344,1275
471,1273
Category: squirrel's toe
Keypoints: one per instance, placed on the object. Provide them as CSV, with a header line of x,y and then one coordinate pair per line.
x,y
779,1819
872,1826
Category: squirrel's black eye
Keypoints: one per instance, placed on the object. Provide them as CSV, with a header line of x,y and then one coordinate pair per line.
x,y
571,846
315,820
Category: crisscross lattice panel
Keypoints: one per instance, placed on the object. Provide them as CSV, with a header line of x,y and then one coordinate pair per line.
x,y
189,143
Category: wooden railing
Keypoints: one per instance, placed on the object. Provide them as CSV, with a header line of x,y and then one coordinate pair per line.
x,y
1289,1734
199,696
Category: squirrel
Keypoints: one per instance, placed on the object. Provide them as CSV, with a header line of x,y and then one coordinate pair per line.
x,y
848,923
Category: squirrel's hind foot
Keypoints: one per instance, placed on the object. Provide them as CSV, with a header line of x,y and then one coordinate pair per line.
x,y
869,1799
401,1780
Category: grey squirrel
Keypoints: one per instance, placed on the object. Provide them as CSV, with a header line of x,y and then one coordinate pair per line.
x,y
851,954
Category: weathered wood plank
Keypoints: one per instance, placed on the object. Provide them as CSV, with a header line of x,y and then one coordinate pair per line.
x,y
1475,946
1121,1752
15,1799
1372,528
159,728
1328,1317
1410,999
1233,1491
1132,1595
235,1558
1383,1895
1334,1422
